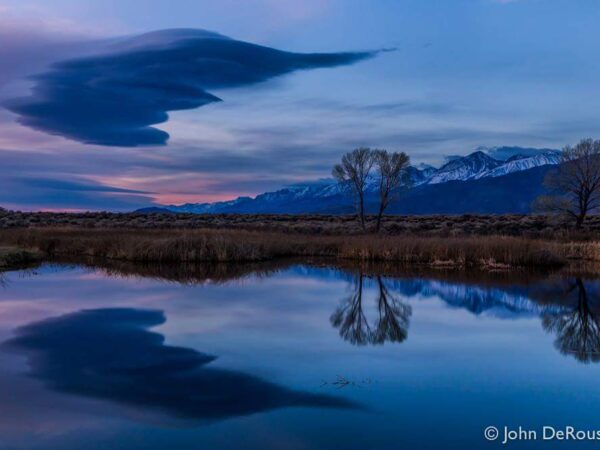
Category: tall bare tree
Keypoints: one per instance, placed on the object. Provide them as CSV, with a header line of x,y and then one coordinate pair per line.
x,y
392,174
352,173
575,183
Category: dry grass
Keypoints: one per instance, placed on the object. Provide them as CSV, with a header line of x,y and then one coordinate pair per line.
x,y
530,226
438,225
192,246
17,257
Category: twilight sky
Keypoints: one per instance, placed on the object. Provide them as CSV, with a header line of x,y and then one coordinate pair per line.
x,y
264,93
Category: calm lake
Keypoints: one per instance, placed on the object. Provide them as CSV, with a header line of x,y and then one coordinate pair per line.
x,y
294,357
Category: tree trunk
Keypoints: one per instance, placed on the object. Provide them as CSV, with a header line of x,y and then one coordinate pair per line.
x,y
379,216
361,211
581,217
584,202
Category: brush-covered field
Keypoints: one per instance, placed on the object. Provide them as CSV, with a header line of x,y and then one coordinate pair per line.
x,y
546,227
469,241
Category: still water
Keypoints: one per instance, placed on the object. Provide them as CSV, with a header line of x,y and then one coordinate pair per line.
x,y
294,357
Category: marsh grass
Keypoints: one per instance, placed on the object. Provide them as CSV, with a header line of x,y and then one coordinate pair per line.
x,y
11,256
208,245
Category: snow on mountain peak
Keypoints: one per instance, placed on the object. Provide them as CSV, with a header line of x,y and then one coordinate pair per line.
x,y
517,164
424,166
466,168
504,153
474,166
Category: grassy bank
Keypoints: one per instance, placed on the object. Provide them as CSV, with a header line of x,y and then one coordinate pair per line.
x,y
190,246
17,257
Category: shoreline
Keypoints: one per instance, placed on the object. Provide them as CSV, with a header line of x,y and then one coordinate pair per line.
x,y
12,257
491,253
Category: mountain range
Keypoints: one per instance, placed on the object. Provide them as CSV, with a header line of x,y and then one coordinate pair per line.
x,y
476,183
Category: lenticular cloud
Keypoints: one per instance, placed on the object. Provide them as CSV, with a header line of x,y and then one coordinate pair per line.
x,y
115,96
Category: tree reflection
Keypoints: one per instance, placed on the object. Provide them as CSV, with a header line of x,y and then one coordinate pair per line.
x,y
578,331
391,318
350,318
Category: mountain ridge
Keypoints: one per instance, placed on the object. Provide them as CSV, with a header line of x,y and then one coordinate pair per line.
x,y
429,186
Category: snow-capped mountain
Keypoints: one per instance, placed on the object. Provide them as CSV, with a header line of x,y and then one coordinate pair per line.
x,y
420,174
472,166
206,208
501,301
326,196
519,162
504,153
480,165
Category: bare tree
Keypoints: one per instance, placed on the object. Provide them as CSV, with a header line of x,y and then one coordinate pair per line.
x,y
352,173
392,174
575,183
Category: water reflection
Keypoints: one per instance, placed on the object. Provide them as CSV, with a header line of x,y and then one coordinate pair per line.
x,y
391,322
565,303
566,307
109,354
473,339
578,329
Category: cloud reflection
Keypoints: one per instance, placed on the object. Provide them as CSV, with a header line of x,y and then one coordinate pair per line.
x,y
109,354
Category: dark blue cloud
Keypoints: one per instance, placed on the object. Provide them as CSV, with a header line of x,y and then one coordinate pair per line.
x,y
113,98
109,354
37,190
78,186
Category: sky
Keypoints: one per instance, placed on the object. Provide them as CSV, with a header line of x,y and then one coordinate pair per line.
x,y
115,105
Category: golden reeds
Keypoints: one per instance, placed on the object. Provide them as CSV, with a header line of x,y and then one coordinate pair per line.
x,y
207,245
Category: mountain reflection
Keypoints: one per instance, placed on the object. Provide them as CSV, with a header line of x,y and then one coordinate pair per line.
x,y
392,316
377,309
577,330
109,354
567,306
